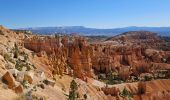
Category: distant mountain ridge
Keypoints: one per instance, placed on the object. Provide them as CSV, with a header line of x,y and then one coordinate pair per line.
x,y
163,31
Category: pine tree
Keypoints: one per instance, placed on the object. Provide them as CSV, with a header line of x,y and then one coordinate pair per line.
x,y
73,89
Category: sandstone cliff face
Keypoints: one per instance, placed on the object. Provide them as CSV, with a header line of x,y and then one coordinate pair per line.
x,y
51,50
63,55
134,50
150,92
79,58
116,57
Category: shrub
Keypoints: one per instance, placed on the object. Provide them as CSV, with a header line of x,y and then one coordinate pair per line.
x,y
25,57
7,57
16,51
110,76
19,65
25,84
29,67
85,96
16,54
72,95
147,78
126,93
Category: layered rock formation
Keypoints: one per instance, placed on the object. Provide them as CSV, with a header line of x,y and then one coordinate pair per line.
x,y
134,50
28,61
136,89
9,80
130,54
64,54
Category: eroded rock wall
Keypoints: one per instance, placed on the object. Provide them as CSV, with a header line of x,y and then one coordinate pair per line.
x,y
82,59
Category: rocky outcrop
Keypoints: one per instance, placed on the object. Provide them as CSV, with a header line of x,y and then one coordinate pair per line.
x,y
135,51
9,80
19,89
76,54
141,90
80,58
29,77
111,91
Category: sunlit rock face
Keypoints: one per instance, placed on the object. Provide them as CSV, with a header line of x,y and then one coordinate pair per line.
x,y
64,54
114,57
135,49
75,56
79,58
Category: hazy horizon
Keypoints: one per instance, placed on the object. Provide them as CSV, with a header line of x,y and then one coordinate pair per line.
x,y
92,27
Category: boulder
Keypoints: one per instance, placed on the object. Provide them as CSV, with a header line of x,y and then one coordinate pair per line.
x,y
14,72
8,79
20,76
19,89
28,76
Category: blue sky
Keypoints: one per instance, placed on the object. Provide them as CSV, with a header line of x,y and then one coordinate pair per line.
x,y
89,13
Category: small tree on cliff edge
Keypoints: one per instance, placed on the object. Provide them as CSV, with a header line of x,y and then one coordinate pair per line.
x,y
125,93
16,51
73,89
